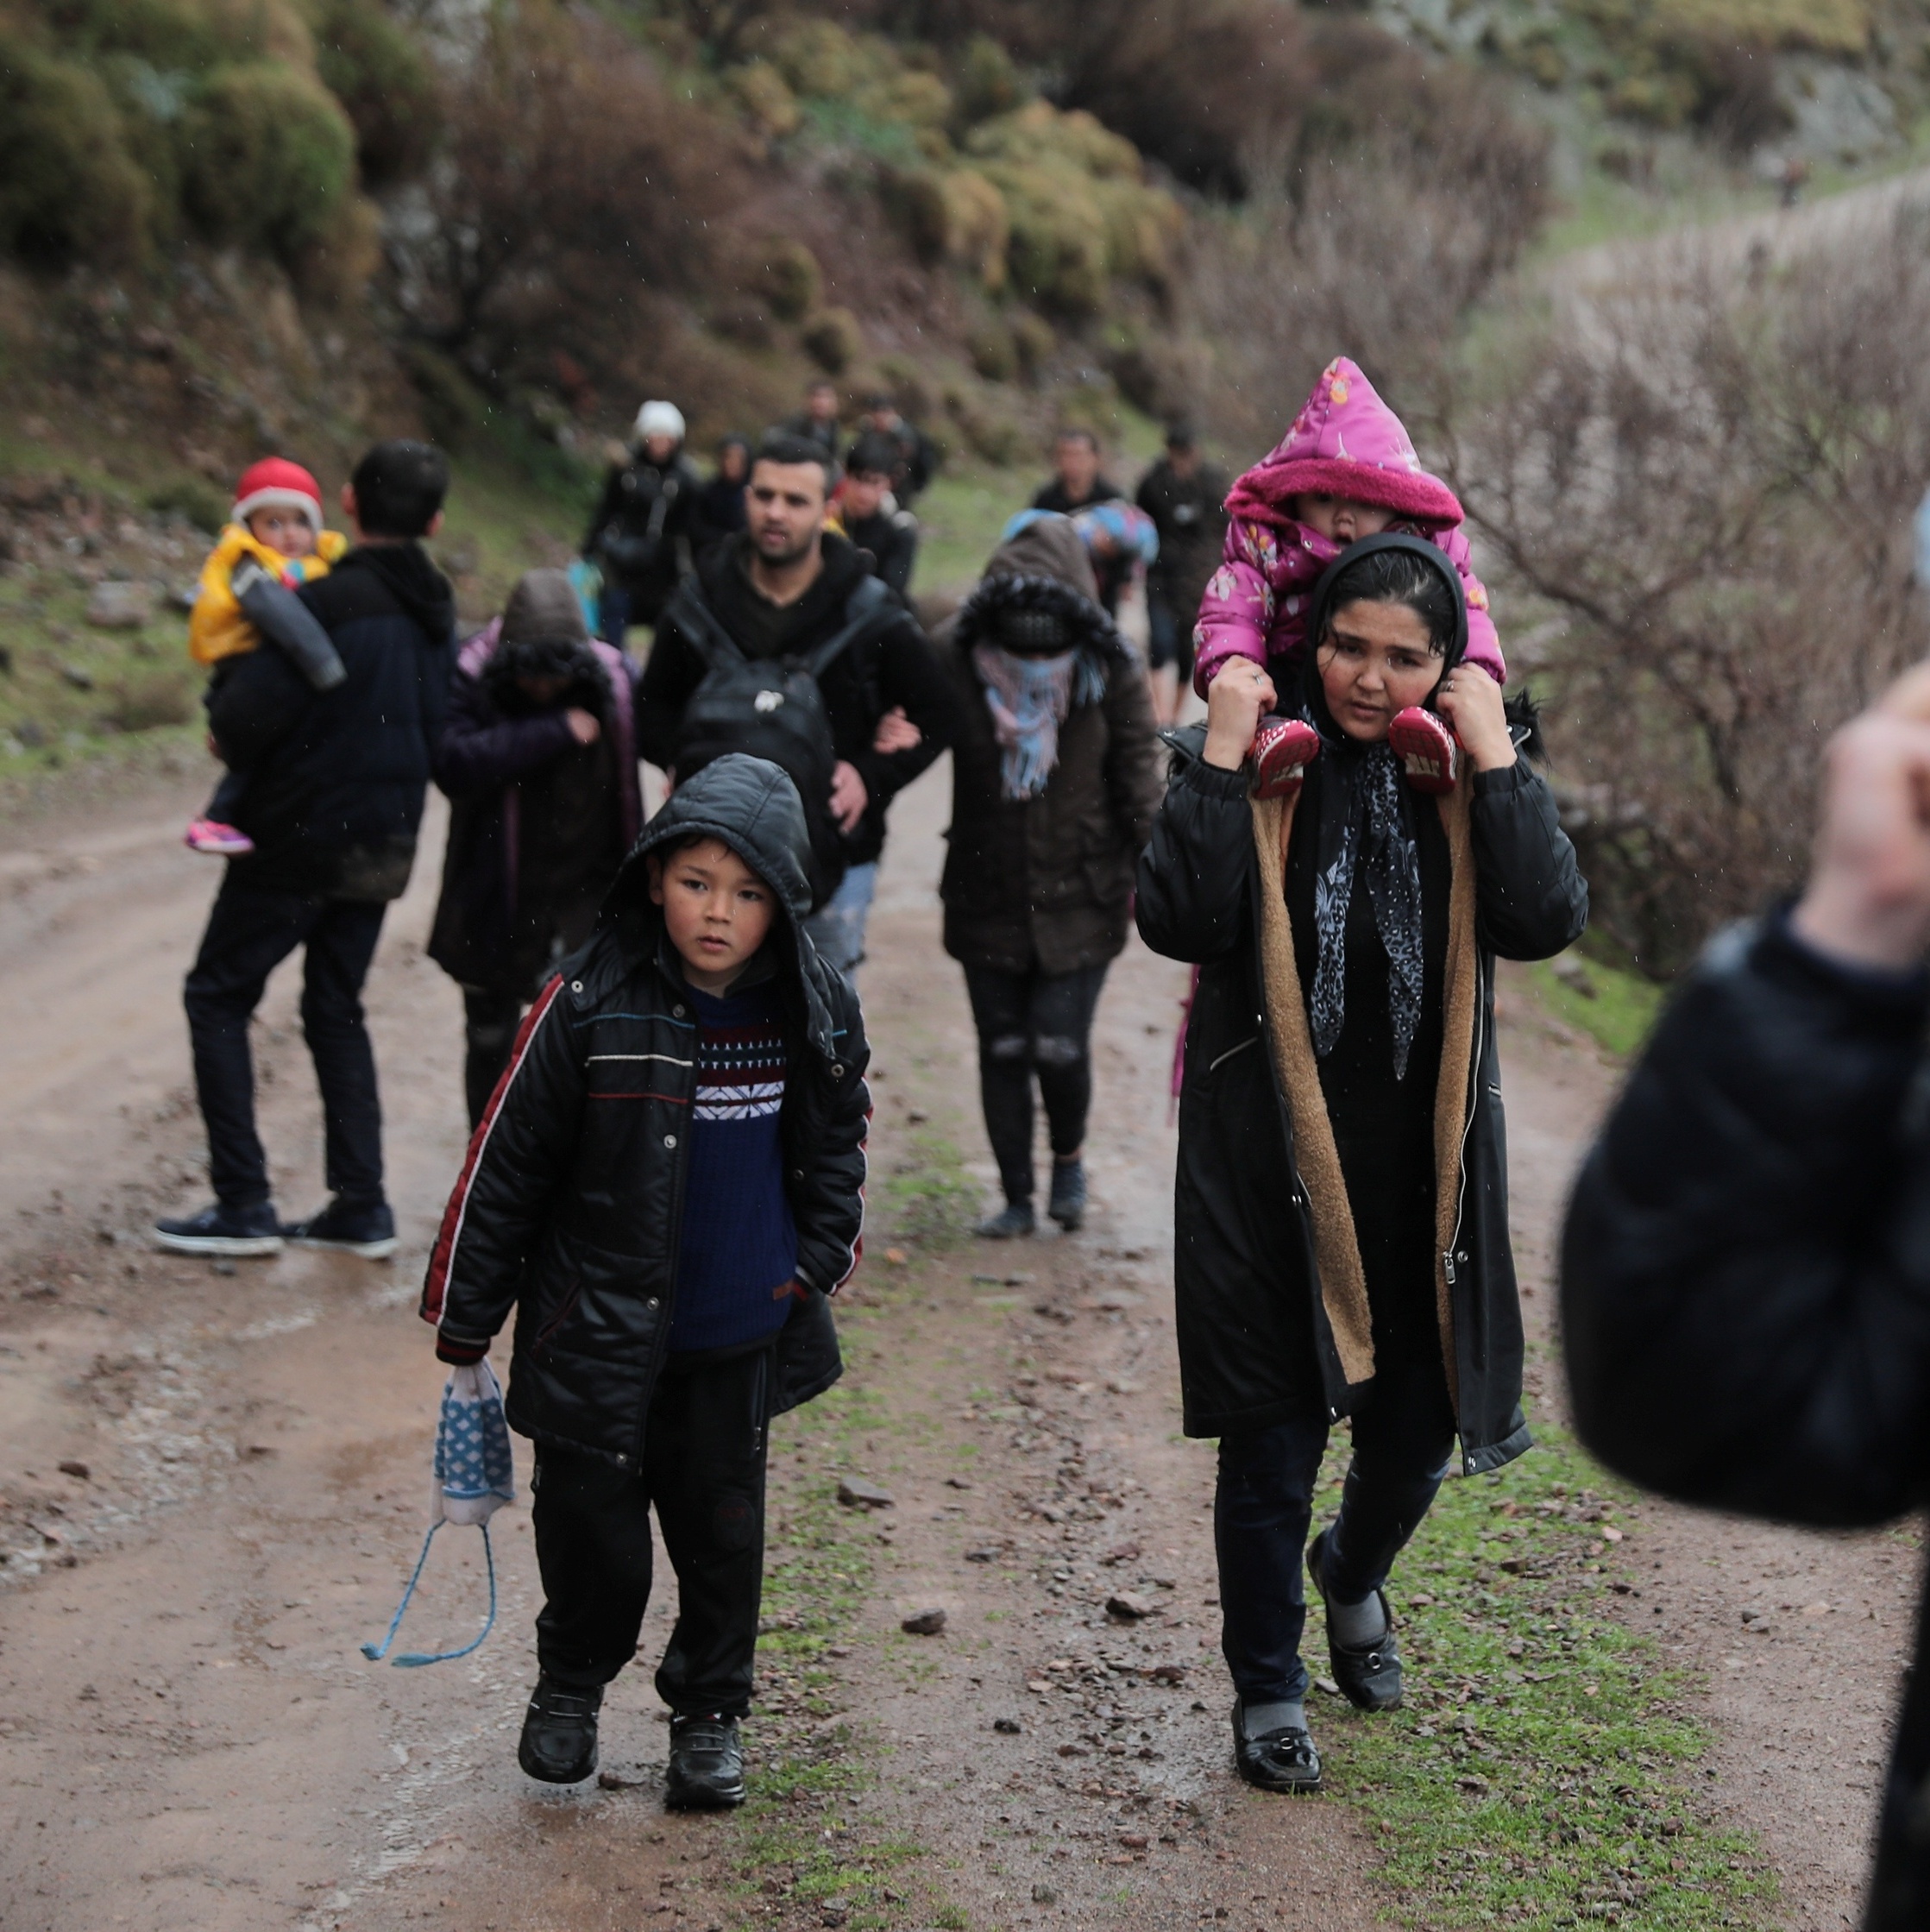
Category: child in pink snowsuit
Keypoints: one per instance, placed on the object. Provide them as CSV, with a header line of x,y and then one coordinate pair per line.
x,y
1346,471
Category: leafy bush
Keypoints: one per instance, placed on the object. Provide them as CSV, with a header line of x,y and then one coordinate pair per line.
x,y
790,280
153,699
271,155
381,73
833,340
68,186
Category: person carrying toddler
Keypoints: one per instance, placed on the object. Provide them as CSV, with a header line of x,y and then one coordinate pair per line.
x,y
1346,470
273,543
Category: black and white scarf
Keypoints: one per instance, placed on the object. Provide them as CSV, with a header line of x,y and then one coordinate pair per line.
x,y
1365,826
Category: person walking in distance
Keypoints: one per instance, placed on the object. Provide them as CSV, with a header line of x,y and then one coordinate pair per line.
x,y
868,514
539,761
665,1190
645,523
1079,482
1185,495
720,511
332,809
785,644
1055,784
817,422
914,457
1745,1271
1341,1236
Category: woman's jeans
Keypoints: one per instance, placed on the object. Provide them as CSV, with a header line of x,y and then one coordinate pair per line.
x,y
1034,1025
1404,1434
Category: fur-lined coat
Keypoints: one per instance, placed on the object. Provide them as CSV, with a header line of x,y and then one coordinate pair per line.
x,y
1046,881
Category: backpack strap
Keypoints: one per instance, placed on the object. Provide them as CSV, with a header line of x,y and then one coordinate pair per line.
x,y
869,599
699,623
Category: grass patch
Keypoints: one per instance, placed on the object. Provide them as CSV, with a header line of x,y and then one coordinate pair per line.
x,y
1540,1773
927,1196
960,515
1613,1006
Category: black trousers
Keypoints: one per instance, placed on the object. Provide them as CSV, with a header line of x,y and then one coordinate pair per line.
x,y
703,1469
250,932
1403,1435
489,1024
1033,1025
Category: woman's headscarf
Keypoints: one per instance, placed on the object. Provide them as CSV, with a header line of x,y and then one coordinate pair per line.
x,y
1367,825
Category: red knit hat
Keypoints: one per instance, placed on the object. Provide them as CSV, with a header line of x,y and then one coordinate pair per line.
x,y
275,483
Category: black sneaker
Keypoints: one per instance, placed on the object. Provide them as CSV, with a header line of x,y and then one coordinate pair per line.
x,y
1068,1203
220,1229
1014,1219
707,1764
1368,1676
559,1733
346,1227
1277,1757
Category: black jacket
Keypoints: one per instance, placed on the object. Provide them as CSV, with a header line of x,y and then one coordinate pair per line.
x,y
642,534
1254,1341
889,538
896,666
571,1197
1189,514
1746,1280
336,778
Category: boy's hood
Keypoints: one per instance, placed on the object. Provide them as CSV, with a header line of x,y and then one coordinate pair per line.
x,y
753,806
1345,442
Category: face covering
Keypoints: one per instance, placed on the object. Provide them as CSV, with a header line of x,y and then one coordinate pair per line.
x,y
1030,698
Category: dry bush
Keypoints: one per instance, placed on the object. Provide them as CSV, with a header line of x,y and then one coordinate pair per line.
x,y
576,193
1708,473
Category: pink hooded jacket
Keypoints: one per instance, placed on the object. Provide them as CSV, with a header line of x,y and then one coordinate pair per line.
x,y
1347,443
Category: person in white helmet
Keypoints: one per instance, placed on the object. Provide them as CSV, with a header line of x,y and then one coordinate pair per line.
x,y
640,536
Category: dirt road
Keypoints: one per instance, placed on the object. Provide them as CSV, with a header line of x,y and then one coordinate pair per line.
x,y
211,1482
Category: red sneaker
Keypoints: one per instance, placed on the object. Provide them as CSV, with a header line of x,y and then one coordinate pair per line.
x,y
1283,748
224,841
1429,753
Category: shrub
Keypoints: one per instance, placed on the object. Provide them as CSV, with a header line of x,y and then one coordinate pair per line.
x,y
192,498
68,186
381,73
993,353
271,155
987,83
145,702
764,97
790,280
1033,342
833,340
1057,246
956,216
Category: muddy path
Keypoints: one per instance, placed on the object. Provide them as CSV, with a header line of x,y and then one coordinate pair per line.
x,y
212,1483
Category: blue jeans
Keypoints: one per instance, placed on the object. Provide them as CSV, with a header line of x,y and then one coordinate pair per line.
x,y
836,927
1404,1431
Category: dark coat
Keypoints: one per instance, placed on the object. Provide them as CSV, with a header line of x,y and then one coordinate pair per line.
x,y
1746,1280
895,666
336,778
1046,881
487,757
570,1201
1189,514
1113,573
890,539
646,522
1256,1339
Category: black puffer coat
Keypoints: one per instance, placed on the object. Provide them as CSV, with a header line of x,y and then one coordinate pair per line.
x,y
1046,881
570,1201
1745,1282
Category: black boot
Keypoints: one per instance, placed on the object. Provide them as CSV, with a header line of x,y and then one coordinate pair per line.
x,y
559,1733
1273,1749
1012,1222
707,1764
1067,1204
1368,1674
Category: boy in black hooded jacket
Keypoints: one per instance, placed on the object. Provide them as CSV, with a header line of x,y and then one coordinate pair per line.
x,y
666,1187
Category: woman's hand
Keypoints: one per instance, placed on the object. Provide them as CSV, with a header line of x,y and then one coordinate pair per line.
x,y
1471,701
1241,694
583,726
896,732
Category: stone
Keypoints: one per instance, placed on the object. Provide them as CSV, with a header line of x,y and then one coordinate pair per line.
x,y
1129,1603
924,1623
857,1494
1007,1727
117,605
79,1471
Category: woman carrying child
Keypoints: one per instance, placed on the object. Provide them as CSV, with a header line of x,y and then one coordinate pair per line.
x,y
1341,1214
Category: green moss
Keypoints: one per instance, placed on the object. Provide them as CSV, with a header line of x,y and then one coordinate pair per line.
x,y
1611,1004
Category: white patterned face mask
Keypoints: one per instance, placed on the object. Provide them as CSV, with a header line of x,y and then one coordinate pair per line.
x,y
474,1477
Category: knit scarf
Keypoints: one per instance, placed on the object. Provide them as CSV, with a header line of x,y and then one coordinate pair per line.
x,y
1365,825
1029,699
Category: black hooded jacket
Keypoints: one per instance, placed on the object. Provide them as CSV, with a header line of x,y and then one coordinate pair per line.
x,y
569,1203
336,778
1256,1343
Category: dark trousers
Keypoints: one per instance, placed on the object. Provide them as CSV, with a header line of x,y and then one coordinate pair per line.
x,y
1403,1435
1033,1025
703,1468
489,1024
250,932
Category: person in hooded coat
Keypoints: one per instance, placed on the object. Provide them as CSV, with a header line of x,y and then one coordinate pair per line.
x,y
538,759
1341,1228
1054,784
646,526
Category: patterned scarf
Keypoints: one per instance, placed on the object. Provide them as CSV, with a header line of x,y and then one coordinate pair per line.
x,y
1029,699
1365,823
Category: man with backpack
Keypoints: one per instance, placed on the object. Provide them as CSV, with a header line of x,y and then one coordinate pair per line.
x,y
783,645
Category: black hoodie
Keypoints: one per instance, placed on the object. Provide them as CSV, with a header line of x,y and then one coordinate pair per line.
x,y
335,779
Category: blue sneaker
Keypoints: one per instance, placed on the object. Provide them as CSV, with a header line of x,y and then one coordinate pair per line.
x,y
221,1230
344,1227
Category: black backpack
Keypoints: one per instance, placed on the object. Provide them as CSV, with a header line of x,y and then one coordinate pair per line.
x,y
772,708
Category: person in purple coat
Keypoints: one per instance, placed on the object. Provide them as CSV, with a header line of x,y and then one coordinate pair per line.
x,y
539,758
